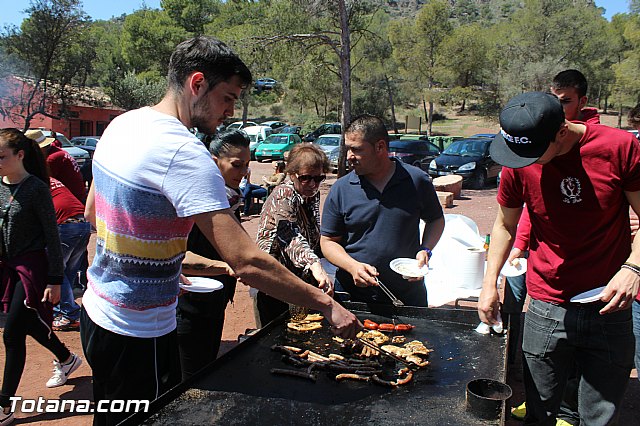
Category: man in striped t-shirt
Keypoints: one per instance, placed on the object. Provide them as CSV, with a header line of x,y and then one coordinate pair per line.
x,y
152,181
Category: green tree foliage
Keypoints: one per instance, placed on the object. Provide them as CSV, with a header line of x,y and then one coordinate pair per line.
x,y
135,91
54,49
464,60
192,15
148,39
416,47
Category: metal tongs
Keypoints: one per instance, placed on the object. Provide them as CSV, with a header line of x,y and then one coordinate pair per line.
x,y
412,366
394,299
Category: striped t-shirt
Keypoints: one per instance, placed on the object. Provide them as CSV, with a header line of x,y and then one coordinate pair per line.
x,y
151,174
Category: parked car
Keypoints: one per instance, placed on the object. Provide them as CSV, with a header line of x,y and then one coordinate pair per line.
x,y
330,144
265,83
274,124
89,144
468,158
484,135
257,135
323,129
290,129
240,125
408,136
91,141
276,145
416,152
80,155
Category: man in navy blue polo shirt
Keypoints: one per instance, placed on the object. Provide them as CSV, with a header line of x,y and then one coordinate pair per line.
x,y
372,216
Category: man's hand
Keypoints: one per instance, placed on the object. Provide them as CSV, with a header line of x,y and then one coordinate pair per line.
x,y
620,291
488,305
51,294
423,259
183,280
324,283
634,222
514,254
343,323
364,275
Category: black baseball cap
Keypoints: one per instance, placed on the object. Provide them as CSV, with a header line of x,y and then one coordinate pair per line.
x,y
528,124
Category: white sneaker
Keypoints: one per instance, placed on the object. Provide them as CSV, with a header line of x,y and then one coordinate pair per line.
x,y
6,418
61,372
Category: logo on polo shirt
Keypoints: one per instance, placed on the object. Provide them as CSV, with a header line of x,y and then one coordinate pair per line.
x,y
570,188
515,139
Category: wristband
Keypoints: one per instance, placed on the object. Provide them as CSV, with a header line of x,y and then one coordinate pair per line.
x,y
429,253
632,267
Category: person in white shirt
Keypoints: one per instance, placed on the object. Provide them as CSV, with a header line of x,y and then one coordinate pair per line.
x,y
153,180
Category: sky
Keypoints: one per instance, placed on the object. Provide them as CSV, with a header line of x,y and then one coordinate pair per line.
x,y
105,9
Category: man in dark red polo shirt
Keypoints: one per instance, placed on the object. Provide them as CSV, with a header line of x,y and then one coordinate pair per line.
x,y
62,166
577,181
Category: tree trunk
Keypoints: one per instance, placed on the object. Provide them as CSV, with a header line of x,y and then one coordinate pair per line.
x,y
430,126
315,104
393,108
245,105
426,114
345,73
619,110
463,105
606,104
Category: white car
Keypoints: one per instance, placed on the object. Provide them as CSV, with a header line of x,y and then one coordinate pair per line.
x,y
240,125
257,134
330,144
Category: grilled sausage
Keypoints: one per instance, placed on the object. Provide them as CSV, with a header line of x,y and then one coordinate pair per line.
x,y
293,373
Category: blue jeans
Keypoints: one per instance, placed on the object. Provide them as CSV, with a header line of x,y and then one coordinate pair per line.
x,y
252,191
74,238
554,338
636,330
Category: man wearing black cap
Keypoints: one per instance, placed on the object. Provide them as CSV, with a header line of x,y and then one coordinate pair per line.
x,y
577,181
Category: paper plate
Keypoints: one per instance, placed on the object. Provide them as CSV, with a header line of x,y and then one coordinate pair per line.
x,y
588,296
202,285
408,267
509,270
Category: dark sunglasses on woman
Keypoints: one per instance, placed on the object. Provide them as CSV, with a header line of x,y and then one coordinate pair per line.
x,y
308,178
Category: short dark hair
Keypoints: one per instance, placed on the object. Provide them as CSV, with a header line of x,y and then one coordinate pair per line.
x,y
309,155
633,118
211,57
222,143
571,78
372,128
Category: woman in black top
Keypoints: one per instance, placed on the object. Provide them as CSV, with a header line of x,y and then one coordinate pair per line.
x,y
31,275
201,315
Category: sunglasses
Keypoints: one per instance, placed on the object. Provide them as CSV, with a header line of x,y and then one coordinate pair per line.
x,y
309,178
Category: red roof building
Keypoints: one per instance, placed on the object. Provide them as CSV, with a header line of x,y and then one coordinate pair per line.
x,y
88,111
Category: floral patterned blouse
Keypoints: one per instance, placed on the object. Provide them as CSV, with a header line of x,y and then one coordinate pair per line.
x,y
289,229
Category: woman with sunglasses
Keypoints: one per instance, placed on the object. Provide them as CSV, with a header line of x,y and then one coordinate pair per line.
x,y
289,227
31,266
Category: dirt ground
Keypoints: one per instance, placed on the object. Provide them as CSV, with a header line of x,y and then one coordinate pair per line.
x,y
479,205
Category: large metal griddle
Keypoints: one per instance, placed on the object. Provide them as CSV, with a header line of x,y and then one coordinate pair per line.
x,y
238,388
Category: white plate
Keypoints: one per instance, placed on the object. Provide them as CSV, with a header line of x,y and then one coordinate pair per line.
x,y
408,267
509,270
202,285
588,296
